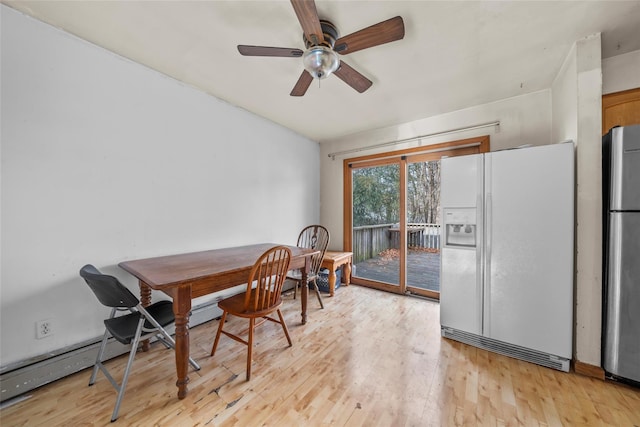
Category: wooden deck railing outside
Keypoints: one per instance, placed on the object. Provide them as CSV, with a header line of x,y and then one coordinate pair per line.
x,y
370,240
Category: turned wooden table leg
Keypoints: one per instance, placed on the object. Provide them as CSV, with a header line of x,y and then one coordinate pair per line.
x,y
332,281
181,310
145,299
304,290
346,273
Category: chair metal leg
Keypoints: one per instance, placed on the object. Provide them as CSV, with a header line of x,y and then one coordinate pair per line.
x,y
164,341
169,342
125,378
220,325
164,336
96,366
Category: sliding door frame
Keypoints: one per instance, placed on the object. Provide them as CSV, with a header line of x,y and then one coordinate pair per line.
x,y
403,157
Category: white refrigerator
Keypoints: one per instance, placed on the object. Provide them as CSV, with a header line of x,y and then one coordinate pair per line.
x,y
507,257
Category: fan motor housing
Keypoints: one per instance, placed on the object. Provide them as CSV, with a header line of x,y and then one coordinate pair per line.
x,y
329,32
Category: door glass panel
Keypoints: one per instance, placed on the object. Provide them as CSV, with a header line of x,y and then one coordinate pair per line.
x,y
423,226
376,218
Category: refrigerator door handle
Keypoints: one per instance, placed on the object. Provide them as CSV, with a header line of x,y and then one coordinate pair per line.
x,y
479,260
612,341
486,324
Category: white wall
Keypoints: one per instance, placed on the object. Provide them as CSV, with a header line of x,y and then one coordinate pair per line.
x,y
621,72
589,78
524,119
104,160
564,95
589,201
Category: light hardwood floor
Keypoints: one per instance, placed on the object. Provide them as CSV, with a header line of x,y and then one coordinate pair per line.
x,y
369,359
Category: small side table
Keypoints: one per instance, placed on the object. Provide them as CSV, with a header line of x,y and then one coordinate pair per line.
x,y
333,260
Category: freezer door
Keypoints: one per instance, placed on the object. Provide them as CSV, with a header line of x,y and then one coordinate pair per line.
x,y
622,330
461,181
461,256
529,247
625,168
460,290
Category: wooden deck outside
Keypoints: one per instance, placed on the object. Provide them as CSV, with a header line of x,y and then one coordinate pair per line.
x,y
423,268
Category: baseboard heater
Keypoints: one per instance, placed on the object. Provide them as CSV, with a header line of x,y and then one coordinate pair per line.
x,y
24,376
506,349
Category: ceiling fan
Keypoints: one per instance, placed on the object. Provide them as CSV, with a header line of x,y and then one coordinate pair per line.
x,y
322,45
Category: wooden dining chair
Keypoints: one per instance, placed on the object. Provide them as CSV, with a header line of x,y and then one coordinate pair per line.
x,y
262,297
314,237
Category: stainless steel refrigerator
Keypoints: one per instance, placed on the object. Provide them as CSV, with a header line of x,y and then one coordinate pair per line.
x,y
507,258
621,253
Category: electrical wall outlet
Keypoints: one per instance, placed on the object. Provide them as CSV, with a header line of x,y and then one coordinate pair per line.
x,y
44,328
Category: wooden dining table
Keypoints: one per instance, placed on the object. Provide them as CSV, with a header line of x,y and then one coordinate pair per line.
x,y
191,275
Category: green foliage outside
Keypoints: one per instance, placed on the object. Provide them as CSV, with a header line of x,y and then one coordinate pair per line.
x,y
376,194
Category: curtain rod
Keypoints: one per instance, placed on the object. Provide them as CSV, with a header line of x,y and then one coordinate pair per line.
x,y
415,138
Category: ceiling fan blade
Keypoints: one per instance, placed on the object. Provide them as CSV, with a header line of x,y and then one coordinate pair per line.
x,y
302,84
269,51
380,33
309,21
352,77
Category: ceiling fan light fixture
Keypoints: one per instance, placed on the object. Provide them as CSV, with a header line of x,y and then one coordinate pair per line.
x,y
320,61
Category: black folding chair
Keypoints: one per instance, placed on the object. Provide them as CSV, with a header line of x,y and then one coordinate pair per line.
x,y
140,323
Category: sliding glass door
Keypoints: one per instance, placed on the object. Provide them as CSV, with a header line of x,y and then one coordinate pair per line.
x,y
423,226
392,216
376,214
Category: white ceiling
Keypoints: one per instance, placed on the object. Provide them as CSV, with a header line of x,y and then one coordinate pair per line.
x,y
455,54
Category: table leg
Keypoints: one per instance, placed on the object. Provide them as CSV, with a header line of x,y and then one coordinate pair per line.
x,y
304,290
332,281
346,273
145,299
181,310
